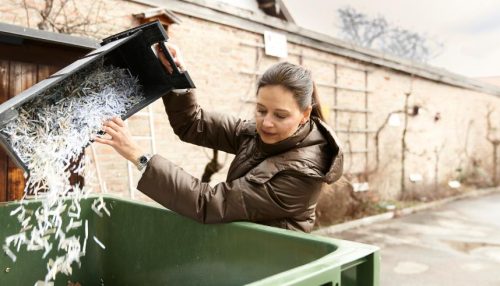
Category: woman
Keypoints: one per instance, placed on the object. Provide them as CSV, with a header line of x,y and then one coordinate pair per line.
x,y
281,158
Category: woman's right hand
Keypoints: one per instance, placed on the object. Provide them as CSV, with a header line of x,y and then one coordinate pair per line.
x,y
120,139
176,54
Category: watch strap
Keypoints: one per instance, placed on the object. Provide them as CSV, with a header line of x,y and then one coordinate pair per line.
x,y
142,161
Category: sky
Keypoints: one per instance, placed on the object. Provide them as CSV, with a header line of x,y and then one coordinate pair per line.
x,y
469,30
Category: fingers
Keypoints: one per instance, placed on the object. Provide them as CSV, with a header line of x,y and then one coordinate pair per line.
x,y
121,140
104,141
176,55
166,64
118,121
112,124
178,63
112,127
172,49
111,132
164,60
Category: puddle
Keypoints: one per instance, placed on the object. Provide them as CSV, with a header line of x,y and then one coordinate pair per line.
x,y
492,253
469,246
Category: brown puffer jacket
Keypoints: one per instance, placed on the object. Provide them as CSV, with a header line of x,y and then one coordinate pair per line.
x,y
272,184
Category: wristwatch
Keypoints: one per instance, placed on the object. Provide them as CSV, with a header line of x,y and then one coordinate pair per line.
x,y
143,160
180,91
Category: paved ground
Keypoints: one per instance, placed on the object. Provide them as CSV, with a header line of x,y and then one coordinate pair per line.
x,y
455,244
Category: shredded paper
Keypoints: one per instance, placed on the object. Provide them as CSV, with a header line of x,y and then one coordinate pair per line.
x,y
49,135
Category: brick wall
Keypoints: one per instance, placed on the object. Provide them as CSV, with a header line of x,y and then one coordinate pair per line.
x,y
218,58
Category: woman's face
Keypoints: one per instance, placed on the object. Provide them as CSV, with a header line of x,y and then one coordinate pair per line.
x,y
277,114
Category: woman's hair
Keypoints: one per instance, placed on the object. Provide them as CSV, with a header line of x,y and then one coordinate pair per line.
x,y
296,79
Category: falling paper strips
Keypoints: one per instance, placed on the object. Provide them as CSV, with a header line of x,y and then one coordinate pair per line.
x,y
49,135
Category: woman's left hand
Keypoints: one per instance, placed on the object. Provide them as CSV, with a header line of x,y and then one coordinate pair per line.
x,y
121,140
176,55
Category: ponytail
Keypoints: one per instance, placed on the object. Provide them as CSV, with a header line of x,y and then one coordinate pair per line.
x,y
316,105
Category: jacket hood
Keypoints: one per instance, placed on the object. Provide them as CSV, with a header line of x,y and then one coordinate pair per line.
x,y
317,154
337,162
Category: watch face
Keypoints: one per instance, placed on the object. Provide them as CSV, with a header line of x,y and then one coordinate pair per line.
x,y
143,160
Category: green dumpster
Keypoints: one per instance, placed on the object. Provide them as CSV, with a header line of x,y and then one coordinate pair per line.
x,y
146,244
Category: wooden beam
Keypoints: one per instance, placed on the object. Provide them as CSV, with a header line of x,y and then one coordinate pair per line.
x,y
247,72
362,151
342,87
318,59
352,110
355,131
262,46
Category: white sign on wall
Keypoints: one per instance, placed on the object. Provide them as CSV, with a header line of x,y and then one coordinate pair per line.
x,y
275,44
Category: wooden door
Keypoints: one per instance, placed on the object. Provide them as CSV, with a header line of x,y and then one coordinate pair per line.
x,y
15,77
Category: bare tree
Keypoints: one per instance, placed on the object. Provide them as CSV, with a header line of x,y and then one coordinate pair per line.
x,y
408,44
63,16
360,29
437,156
377,33
494,141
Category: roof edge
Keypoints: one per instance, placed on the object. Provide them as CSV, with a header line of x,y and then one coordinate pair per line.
x,y
48,37
222,14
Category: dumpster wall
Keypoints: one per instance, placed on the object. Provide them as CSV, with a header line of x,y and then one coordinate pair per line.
x,y
148,245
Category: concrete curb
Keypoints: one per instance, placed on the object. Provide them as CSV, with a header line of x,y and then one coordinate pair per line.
x,y
401,212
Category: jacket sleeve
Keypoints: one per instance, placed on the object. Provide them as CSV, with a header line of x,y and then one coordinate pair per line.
x,y
282,196
194,125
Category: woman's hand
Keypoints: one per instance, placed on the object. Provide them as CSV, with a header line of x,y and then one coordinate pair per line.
x,y
121,140
176,54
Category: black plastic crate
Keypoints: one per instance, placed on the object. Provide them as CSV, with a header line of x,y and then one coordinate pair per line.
x,y
130,50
